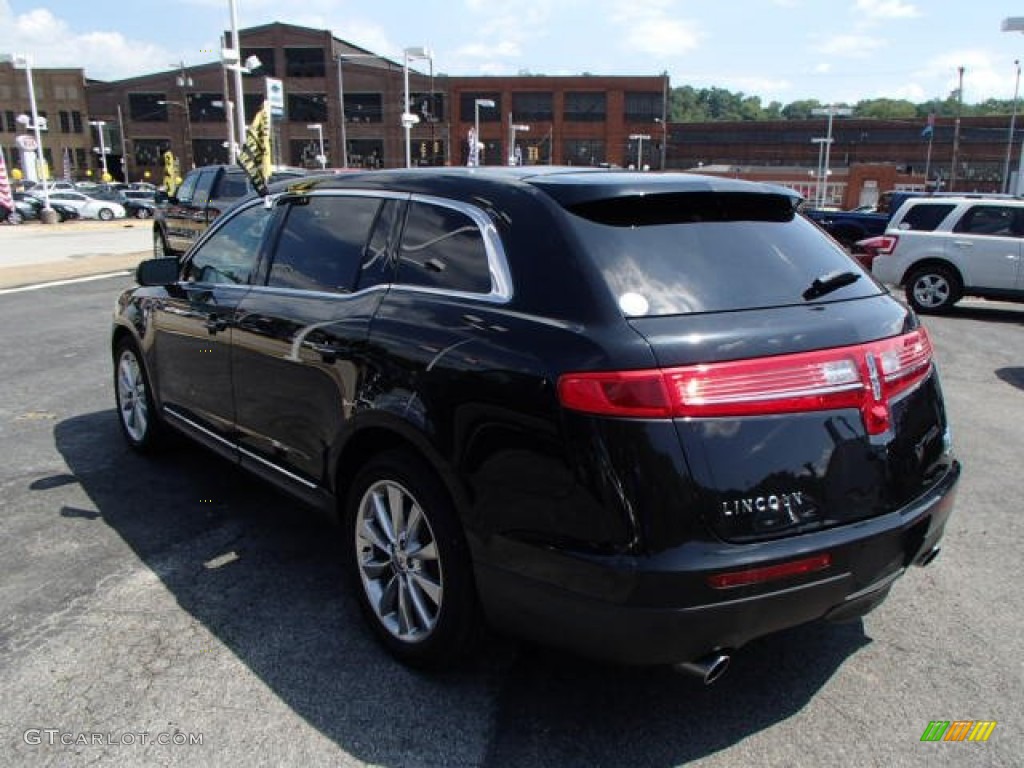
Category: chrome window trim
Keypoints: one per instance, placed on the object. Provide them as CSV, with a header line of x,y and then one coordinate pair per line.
x,y
497,261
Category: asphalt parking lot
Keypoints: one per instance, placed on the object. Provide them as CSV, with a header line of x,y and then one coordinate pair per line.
x,y
178,600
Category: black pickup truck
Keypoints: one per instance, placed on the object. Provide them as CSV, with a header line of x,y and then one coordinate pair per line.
x,y
180,219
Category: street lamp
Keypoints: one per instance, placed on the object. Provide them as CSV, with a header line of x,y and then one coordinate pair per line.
x,y
664,139
341,100
821,141
102,149
474,152
639,138
23,61
1015,24
408,118
319,128
831,111
512,129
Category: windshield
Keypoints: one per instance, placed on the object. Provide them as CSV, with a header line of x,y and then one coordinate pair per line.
x,y
712,252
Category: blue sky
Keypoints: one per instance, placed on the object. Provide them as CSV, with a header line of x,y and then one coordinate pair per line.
x,y
831,50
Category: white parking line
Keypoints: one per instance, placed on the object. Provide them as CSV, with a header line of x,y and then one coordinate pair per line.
x,y
72,281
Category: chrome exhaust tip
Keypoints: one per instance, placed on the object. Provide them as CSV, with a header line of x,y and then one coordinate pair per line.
x,y
708,668
928,557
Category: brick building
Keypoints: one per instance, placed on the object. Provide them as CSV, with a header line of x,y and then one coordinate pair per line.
x,y
60,98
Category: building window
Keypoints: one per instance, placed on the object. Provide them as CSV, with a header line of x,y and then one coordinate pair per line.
x,y
76,121
304,151
532,106
304,62
467,109
428,152
146,107
65,121
364,108
429,107
266,57
209,152
79,158
201,108
151,151
12,123
584,152
307,107
365,153
253,104
585,106
643,107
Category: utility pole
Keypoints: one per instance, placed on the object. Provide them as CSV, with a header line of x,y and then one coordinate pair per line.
x,y
956,129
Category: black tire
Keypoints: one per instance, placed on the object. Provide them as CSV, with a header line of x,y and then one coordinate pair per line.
x,y
142,213
932,289
15,217
105,214
136,413
411,573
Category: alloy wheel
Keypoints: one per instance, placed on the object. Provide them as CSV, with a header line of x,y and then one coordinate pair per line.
x,y
932,290
131,396
397,558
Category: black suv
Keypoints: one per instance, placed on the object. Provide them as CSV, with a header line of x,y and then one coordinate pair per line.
x,y
645,417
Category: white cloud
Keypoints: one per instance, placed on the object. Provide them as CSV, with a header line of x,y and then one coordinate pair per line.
x,y
52,43
850,46
652,28
887,9
985,75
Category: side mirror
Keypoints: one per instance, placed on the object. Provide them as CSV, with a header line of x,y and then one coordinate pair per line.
x,y
157,271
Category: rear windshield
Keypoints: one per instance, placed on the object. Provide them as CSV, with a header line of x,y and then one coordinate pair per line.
x,y
683,253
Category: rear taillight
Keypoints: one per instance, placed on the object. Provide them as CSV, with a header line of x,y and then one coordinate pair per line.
x,y
886,244
864,376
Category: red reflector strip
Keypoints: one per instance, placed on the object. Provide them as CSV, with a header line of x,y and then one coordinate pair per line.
x,y
770,572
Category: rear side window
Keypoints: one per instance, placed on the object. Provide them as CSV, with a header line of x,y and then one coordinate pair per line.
x,y
925,217
991,220
232,185
443,248
321,244
684,253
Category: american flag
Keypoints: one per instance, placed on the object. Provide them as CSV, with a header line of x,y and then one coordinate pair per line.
x,y
67,164
6,199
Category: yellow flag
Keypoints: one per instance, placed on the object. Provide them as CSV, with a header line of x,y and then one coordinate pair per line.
x,y
172,174
255,155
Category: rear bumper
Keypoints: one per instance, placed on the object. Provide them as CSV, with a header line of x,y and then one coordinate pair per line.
x,y
660,610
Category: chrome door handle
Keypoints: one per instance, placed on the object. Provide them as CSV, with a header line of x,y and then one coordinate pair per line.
x,y
964,243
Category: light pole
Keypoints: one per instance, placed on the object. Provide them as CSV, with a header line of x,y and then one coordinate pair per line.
x,y
512,129
956,130
664,139
831,111
639,138
474,152
818,171
23,61
1016,24
408,118
239,93
1009,135
341,100
99,125
319,128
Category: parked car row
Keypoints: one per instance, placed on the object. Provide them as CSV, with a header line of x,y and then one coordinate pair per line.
x,y
27,207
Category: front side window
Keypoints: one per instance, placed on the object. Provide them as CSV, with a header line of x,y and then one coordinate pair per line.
x,y
230,254
321,244
188,187
443,248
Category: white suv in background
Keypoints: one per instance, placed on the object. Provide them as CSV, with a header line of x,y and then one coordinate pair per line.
x,y
942,249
